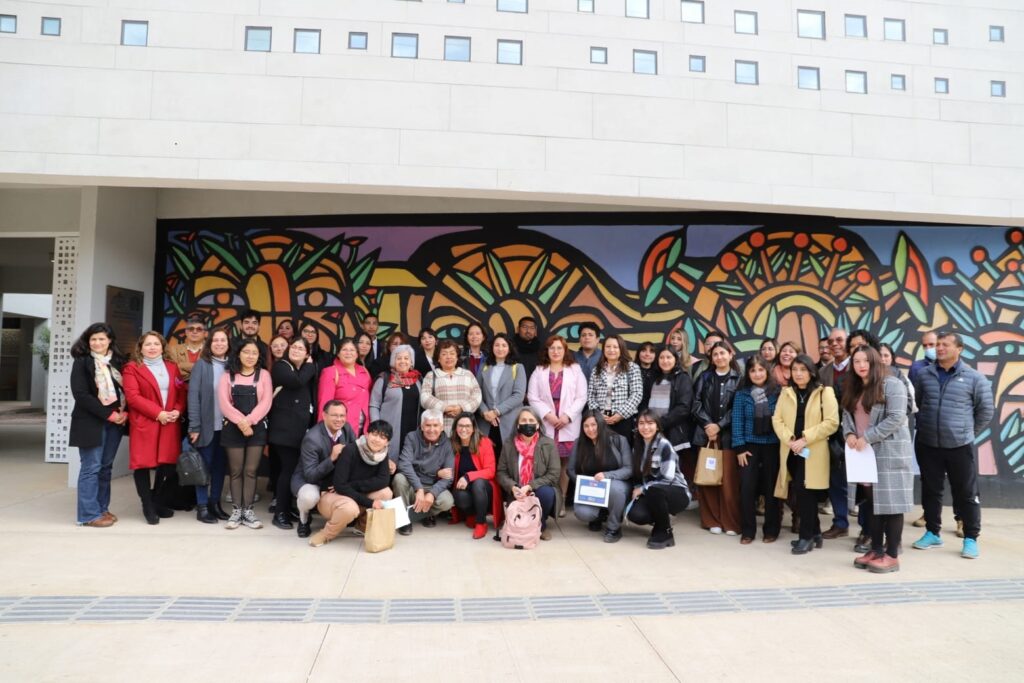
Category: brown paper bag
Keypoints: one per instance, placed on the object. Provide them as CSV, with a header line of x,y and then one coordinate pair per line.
x,y
380,530
709,466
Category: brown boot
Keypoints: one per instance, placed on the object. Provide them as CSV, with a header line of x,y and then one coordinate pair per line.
x,y
884,565
835,532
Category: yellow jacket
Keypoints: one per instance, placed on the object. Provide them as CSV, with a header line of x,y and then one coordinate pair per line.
x,y
821,419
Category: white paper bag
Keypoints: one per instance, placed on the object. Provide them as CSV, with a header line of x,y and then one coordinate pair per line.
x,y
401,511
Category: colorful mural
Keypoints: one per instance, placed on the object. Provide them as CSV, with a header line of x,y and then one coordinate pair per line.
x,y
791,279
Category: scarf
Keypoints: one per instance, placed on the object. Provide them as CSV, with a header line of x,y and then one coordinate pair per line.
x,y
368,456
401,380
526,448
107,379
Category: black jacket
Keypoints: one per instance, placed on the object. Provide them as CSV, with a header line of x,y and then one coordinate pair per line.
x,y
354,477
701,408
291,410
677,423
89,415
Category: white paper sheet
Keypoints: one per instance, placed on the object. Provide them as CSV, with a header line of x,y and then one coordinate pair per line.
x,y
401,511
861,467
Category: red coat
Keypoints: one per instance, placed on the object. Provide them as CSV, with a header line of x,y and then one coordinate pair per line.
x,y
485,469
149,442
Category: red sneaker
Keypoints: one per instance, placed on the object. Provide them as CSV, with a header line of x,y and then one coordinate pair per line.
x,y
865,560
884,564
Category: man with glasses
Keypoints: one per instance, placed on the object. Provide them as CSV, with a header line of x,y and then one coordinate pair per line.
x,y
834,375
185,355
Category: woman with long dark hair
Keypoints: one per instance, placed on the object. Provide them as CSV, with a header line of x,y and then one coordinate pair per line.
x,y
781,369
502,389
292,405
205,422
426,354
474,488
659,487
616,386
757,449
474,355
98,419
604,455
529,466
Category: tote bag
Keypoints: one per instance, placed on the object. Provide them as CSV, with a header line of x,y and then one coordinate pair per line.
x,y
380,530
709,466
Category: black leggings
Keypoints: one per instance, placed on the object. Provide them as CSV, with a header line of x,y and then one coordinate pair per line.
x,y
142,484
289,459
889,527
475,499
656,504
806,499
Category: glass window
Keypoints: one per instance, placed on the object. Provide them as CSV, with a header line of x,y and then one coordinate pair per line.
x,y
598,55
746,73
50,26
584,5
942,86
8,23
857,82
898,82
808,78
997,88
257,38
693,11
639,9
996,34
135,33
512,6
895,29
940,36
810,24
456,48
698,64
645,62
405,45
510,52
307,40
745,22
856,26
357,41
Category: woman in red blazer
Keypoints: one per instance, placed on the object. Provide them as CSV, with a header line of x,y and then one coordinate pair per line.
x,y
156,398
474,488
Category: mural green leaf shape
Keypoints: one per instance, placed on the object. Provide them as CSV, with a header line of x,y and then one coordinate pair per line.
x,y
736,324
675,289
690,271
291,255
816,266
731,290
252,257
899,259
361,272
225,255
311,260
500,277
958,313
916,306
182,261
673,253
654,290
1010,298
981,313
478,289
550,291
538,275
771,328
1012,436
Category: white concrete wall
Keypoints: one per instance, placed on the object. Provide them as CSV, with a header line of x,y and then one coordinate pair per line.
x,y
193,109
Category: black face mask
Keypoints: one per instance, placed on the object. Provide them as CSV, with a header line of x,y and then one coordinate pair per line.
x,y
527,430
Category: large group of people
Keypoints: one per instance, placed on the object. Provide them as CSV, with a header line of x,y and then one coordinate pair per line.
x,y
458,430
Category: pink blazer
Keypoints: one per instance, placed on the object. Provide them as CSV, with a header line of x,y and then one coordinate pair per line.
x,y
352,390
572,402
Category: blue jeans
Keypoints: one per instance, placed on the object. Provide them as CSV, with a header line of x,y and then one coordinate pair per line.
x,y
546,496
216,464
94,475
838,492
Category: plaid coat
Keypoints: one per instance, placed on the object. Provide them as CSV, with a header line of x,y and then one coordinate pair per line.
x,y
889,437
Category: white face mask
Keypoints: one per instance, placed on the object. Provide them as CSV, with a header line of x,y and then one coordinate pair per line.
x,y
930,353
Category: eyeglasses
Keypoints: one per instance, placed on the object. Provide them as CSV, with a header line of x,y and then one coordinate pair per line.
x,y
463,426
194,328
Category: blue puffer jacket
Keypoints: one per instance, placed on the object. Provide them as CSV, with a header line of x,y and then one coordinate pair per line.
x,y
953,414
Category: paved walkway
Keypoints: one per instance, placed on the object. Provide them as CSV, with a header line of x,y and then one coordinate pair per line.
x,y
187,600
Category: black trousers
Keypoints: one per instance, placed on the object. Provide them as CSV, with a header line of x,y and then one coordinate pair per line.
x,y
886,534
806,499
142,482
288,458
961,466
758,479
474,500
656,504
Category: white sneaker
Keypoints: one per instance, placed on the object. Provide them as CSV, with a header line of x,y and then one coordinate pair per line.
x,y
228,498
249,519
234,520
256,497
715,529
730,533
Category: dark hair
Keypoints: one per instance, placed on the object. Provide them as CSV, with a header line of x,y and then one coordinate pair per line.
x,y
196,318
958,341
641,463
251,313
474,440
756,361
391,340
624,357
513,357
80,349
465,334
343,342
888,348
445,344
713,333
660,374
768,340
588,326
137,353
733,365
869,338
286,320
593,455
812,369
207,352
298,340
649,346
360,335
856,389
382,428
567,357
235,359
270,351
793,345
426,330
303,323
332,403
526,319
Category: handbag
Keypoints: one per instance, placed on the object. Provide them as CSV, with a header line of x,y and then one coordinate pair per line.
x,y
380,530
192,468
710,466
836,447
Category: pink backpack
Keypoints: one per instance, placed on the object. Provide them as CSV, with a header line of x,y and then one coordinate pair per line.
x,y
521,529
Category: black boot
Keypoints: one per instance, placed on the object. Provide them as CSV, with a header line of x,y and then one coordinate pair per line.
x,y
281,520
158,505
218,512
661,538
304,530
818,541
803,546
204,516
148,511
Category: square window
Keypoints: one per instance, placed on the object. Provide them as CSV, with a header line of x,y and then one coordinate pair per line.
x,y
598,55
456,48
510,52
997,88
645,62
693,11
357,41
8,23
746,73
307,41
512,6
584,5
856,26
940,36
810,24
942,86
257,38
638,9
698,64
50,26
894,29
996,34
857,82
405,45
135,33
898,82
745,22
808,78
